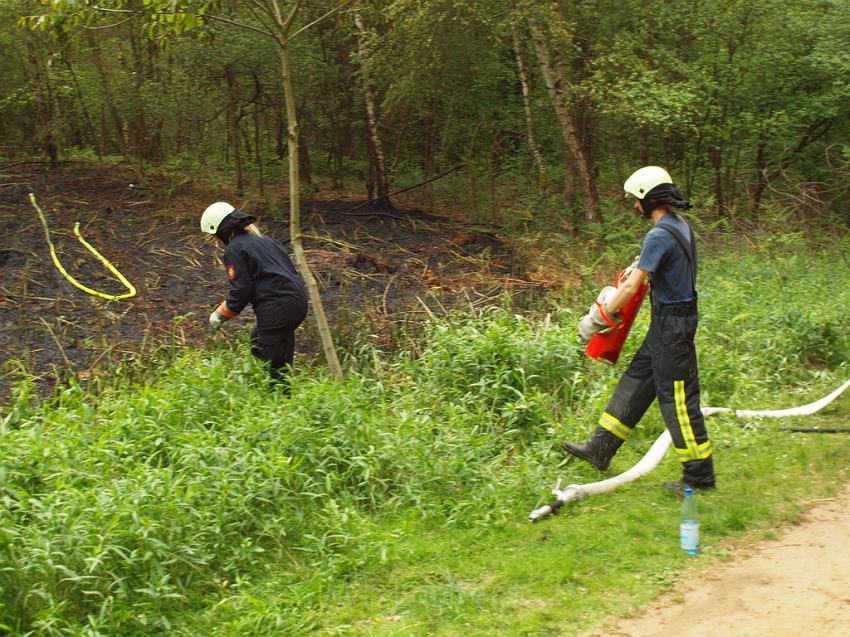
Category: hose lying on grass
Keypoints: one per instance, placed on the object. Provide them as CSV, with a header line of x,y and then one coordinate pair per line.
x,y
655,454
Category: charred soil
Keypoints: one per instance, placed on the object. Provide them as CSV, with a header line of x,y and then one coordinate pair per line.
x,y
377,268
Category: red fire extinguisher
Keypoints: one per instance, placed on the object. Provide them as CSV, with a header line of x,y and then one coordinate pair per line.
x,y
606,347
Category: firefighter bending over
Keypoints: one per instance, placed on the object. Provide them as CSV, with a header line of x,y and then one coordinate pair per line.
x,y
261,273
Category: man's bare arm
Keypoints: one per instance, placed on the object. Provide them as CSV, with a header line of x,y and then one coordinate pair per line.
x,y
626,290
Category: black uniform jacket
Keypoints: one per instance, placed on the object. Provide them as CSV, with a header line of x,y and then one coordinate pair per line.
x,y
262,274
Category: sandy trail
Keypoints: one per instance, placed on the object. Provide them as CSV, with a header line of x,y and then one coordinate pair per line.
x,y
798,584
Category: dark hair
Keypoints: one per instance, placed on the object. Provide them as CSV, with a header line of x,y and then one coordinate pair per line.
x,y
669,194
234,222
663,195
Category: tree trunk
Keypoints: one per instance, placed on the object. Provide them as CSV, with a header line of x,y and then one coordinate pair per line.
x,y
473,190
644,146
257,152
380,172
90,133
106,90
280,133
554,74
370,173
139,131
233,127
761,177
522,67
45,111
295,207
580,107
338,157
716,158
429,160
305,173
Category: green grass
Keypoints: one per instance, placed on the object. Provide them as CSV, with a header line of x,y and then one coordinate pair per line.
x,y
198,501
601,556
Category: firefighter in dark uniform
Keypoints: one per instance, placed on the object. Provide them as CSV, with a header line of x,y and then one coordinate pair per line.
x,y
261,273
665,365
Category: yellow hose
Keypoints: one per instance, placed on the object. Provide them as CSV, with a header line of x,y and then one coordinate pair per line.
x,y
131,291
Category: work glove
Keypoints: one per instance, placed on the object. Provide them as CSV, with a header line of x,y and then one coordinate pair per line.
x,y
217,318
594,322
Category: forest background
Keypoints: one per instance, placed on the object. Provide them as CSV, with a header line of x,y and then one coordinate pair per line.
x,y
545,105
175,495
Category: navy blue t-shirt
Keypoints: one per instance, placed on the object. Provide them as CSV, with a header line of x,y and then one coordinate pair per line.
x,y
669,267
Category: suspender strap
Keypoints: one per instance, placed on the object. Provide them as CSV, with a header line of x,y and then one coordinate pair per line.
x,y
689,250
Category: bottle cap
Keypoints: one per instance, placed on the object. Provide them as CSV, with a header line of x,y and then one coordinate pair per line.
x,y
689,490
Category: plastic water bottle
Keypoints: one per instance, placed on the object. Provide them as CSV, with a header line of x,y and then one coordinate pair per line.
x,y
689,526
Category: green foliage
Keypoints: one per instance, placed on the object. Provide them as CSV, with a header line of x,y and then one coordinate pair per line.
x,y
746,103
779,305
120,510
120,507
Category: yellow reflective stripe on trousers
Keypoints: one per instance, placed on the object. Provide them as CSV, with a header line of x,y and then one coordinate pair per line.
x,y
685,420
607,421
704,451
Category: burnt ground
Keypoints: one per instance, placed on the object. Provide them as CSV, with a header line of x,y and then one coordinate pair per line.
x,y
377,268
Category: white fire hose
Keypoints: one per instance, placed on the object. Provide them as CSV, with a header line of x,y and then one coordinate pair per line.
x,y
656,453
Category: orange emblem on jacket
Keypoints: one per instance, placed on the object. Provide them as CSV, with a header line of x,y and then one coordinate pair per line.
x,y
231,271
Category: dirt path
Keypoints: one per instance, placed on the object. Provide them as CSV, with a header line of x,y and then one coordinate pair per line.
x,y
796,585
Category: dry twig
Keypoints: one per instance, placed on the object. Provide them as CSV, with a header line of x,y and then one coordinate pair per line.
x,y
58,344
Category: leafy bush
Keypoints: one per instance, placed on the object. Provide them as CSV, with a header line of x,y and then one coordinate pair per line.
x,y
117,510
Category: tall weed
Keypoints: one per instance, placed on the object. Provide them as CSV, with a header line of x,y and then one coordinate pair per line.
x,y
119,509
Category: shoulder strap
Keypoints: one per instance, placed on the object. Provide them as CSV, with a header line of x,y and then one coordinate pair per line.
x,y
689,250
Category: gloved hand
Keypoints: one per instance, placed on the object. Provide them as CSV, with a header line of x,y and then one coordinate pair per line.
x,y
594,322
217,318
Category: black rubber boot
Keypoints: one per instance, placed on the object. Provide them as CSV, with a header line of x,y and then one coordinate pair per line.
x,y
698,474
679,486
598,451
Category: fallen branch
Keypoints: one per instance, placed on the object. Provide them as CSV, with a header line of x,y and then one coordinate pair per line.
x,y
398,192
58,344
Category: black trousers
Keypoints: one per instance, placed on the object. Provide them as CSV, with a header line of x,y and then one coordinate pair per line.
x,y
277,345
665,367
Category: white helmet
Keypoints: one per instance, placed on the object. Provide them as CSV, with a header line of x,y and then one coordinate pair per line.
x,y
214,215
645,179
